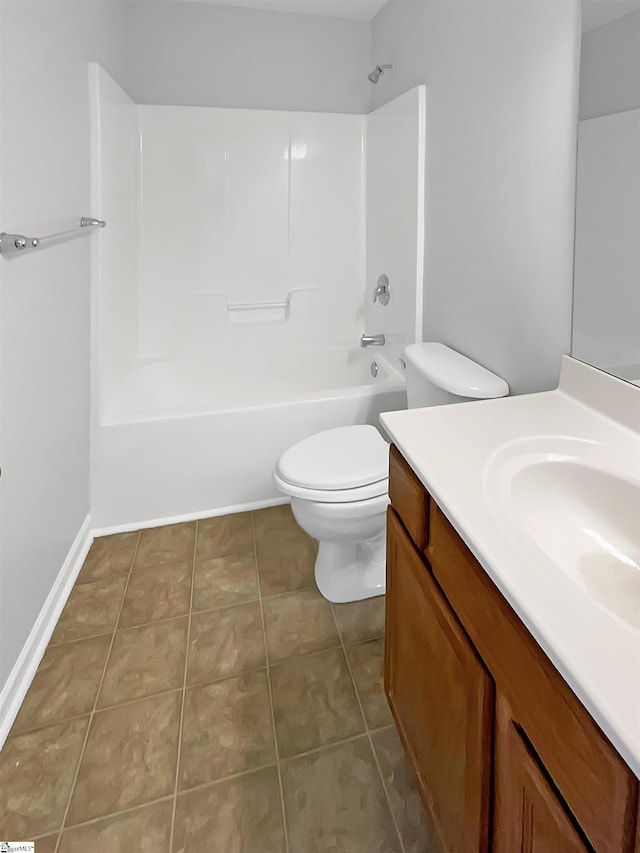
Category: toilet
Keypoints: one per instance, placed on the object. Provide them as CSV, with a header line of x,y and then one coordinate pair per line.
x,y
338,479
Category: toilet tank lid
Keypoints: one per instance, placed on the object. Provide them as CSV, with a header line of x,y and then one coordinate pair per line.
x,y
342,458
454,372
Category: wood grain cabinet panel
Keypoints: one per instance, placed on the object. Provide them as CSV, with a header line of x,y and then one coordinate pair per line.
x,y
528,816
409,498
441,697
595,782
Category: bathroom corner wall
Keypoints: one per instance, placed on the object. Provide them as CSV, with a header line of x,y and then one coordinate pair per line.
x,y
610,68
203,55
44,297
502,84
606,299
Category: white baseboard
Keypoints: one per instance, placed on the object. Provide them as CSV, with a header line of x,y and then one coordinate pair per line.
x,y
21,675
190,516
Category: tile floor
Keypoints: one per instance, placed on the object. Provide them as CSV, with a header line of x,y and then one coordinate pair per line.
x,y
198,694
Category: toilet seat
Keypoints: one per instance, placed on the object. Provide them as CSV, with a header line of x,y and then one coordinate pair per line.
x,y
336,496
336,466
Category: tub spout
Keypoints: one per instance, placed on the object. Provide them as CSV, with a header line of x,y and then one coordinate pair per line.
x,y
372,341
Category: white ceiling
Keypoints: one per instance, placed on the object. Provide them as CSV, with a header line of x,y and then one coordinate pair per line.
x,y
360,10
595,13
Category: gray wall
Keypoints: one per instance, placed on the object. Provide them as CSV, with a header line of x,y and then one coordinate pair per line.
x,y
44,297
610,68
197,54
501,134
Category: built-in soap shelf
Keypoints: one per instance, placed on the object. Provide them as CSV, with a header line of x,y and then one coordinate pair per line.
x,y
262,313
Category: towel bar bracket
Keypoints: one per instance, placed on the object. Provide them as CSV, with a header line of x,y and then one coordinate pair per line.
x,y
11,244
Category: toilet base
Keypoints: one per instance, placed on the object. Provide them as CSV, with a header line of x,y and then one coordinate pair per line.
x,y
347,571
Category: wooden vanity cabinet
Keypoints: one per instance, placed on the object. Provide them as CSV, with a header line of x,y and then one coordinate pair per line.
x,y
507,758
440,695
530,815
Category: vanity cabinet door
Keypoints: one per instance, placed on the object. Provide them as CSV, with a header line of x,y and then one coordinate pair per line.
x,y
441,697
529,816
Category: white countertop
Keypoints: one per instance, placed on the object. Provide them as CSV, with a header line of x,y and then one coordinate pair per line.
x,y
449,448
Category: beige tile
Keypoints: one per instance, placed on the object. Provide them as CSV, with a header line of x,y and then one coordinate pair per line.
x,y
279,518
405,800
144,661
241,815
314,702
286,554
224,536
66,683
144,830
109,556
92,609
334,801
367,665
361,620
130,758
222,581
36,775
171,545
46,844
225,642
226,729
297,623
158,593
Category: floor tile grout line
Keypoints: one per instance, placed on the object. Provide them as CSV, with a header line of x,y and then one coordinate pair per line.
x,y
224,779
126,702
285,828
63,721
161,621
146,804
325,746
252,600
80,583
370,739
79,639
310,654
291,592
95,702
184,686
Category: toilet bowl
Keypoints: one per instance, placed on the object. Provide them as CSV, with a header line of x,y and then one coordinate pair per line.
x,y
338,484
338,479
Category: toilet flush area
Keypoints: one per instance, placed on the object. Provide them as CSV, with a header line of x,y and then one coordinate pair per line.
x,y
239,271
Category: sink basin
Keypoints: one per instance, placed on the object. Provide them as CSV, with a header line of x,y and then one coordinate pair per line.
x,y
580,517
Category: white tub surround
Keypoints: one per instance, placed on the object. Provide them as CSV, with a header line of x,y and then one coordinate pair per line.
x,y
192,449
545,491
229,294
395,221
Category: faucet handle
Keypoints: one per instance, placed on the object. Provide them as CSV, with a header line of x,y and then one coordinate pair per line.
x,y
382,293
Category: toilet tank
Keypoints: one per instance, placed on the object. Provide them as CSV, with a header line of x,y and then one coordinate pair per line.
x,y
437,375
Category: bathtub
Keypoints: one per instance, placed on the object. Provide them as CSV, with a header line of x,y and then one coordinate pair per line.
x,y
196,437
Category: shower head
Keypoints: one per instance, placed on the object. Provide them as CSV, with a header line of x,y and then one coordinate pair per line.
x,y
378,71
